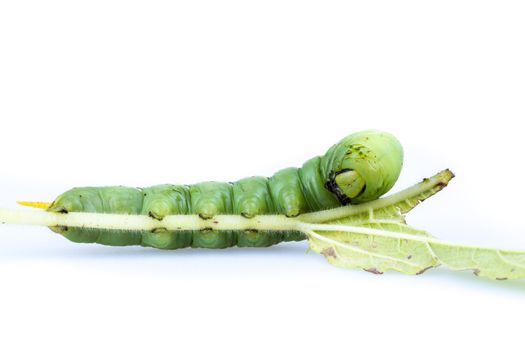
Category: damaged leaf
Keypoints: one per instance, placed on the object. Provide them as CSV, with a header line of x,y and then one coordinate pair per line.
x,y
374,237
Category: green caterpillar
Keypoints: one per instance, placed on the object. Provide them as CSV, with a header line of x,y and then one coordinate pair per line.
x,y
361,167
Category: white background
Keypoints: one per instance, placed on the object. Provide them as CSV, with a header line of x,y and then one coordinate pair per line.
x,y
145,92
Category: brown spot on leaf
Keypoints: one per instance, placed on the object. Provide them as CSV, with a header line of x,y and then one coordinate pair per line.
x,y
441,185
409,257
476,272
374,271
424,270
502,278
330,251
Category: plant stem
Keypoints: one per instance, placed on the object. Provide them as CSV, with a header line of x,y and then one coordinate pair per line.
x,y
144,222
220,222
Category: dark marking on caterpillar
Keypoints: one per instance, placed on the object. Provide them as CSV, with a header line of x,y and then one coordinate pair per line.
x,y
375,156
331,186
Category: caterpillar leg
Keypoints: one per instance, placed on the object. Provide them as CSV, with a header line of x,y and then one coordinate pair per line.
x,y
158,202
287,193
251,197
207,200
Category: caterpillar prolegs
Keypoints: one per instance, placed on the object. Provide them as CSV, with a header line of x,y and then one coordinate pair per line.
x,y
361,167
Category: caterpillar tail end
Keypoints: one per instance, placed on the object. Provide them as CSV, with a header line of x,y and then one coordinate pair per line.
x,y
39,205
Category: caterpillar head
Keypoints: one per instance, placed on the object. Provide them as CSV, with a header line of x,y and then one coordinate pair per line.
x,y
363,166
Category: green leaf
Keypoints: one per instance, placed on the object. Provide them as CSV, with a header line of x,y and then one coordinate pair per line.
x,y
405,249
375,237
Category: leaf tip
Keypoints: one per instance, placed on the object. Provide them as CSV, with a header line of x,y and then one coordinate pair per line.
x,y
447,175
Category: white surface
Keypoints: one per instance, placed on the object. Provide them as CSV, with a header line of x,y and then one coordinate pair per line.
x,y
140,93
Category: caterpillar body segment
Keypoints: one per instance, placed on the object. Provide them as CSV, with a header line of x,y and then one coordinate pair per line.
x,y
361,167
